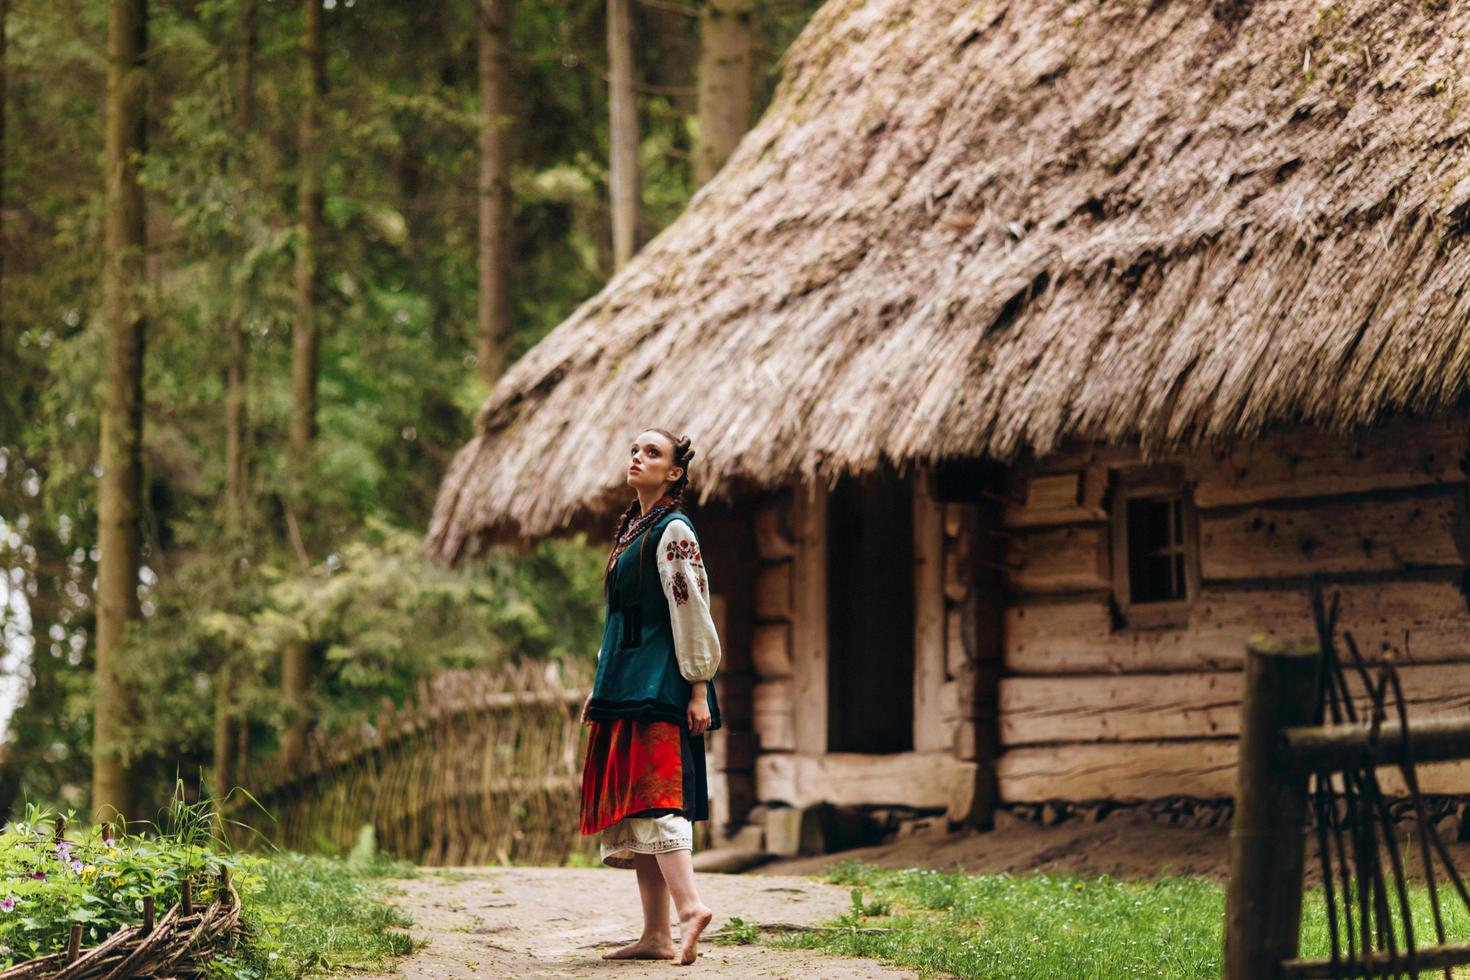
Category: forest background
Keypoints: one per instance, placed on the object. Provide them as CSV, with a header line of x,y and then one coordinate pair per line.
x,y
311,173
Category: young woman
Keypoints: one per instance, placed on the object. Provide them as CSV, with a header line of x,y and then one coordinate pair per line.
x,y
652,701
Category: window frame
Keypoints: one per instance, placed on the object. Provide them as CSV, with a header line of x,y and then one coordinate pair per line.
x,y
1158,480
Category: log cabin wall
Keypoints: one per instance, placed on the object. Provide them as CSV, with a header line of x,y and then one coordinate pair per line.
x,y
1092,707
728,545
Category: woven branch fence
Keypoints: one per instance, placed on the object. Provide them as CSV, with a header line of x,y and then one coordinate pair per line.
x,y
478,767
178,944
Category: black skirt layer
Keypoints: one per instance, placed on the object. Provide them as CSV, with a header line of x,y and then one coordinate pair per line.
x,y
695,786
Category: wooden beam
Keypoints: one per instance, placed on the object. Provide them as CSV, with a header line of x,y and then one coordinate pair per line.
x,y
771,650
773,590
809,626
1307,462
1135,771
1339,747
1065,559
1381,964
1131,771
917,779
1142,707
1076,636
931,730
1334,535
773,715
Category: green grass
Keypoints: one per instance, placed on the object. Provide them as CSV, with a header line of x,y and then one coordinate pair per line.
x,y
312,916
1009,927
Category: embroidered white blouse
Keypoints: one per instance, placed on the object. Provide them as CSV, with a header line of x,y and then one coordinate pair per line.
x,y
696,644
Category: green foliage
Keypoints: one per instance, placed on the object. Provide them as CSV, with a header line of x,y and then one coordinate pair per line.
x,y
300,915
397,383
739,932
378,617
48,884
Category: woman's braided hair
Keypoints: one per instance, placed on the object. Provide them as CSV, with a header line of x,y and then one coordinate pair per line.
x,y
683,453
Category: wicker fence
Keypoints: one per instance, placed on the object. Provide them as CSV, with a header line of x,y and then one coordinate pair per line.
x,y
478,767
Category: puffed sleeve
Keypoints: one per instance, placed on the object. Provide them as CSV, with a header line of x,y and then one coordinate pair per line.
x,y
681,570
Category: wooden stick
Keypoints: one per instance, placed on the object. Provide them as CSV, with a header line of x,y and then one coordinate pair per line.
x,y
147,914
1337,747
1381,964
1263,903
188,900
74,945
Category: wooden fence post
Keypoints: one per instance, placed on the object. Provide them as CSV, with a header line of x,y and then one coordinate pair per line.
x,y
1263,904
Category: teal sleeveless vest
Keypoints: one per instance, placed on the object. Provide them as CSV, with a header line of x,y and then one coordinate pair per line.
x,y
638,673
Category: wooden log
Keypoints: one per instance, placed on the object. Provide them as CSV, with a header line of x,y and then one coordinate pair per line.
x,y
959,637
809,627
1131,771
773,597
917,779
1308,462
930,731
1263,901
1065,559
1382,964
1343,535
1141,771
1143,707
1349,746
773,542
771,650
773,715
1077,635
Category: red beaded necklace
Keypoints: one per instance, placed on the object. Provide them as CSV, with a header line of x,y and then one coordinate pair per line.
x,y
636,527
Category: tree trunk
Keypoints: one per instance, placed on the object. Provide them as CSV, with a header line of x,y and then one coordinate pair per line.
x,y
674,43
5,332
306,342
237,366
235,372
623,131
726,32
495,199
119,508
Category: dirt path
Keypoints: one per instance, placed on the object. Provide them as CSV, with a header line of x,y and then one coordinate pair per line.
x,y
553,922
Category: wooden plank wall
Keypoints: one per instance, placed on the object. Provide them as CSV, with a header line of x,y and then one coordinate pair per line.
x,y
728,544
1093,709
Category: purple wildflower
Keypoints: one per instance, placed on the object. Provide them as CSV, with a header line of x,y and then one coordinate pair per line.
x,y
109,842
63,851
38,874
76,866
8,904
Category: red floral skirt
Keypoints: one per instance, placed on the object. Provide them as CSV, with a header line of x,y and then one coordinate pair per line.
x,y
632,765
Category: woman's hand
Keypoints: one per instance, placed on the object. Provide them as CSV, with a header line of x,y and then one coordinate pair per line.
x,y
585,719
698,714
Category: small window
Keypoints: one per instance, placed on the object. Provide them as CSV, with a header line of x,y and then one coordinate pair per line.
x,y
1155,558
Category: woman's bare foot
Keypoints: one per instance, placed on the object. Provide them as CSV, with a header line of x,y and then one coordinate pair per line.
x,y
643,949
690,927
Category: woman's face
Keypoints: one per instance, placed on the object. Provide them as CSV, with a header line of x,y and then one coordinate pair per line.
x,y
651,462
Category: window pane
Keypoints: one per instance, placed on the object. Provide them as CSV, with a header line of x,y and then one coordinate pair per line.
x,y
1155,549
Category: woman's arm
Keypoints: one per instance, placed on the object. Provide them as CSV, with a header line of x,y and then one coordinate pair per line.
x,y
686,587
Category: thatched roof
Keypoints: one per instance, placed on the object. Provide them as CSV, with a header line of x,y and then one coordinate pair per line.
x,y
971,228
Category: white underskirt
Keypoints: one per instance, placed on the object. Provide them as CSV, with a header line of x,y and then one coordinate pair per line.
x,y
644,835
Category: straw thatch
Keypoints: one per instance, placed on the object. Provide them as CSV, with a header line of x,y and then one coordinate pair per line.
x,y
985,228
